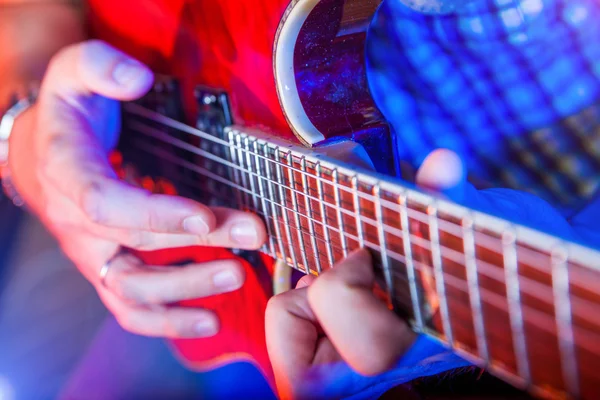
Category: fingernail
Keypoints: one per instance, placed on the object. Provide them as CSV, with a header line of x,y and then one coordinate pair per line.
x,y
128,72
196,225
244,233
206,327
226,280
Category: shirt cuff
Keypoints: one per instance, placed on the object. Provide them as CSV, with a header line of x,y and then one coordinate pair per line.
x,y
426,357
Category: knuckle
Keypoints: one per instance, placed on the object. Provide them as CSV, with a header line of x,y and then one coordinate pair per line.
x,y
190,288
91,202
172,327
381,361
89,50
276,305
126,321
124,286
55,66
326,286
138,240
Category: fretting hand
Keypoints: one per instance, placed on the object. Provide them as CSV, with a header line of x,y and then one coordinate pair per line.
x,y
334,321
59,164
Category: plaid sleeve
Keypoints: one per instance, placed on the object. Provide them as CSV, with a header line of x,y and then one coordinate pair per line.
x,y
425,358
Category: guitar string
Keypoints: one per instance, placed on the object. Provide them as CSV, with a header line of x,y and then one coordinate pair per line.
x,y
484,240
526,253
182,128
451,228
485,266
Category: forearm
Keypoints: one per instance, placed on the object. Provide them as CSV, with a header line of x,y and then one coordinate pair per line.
x,y
31,32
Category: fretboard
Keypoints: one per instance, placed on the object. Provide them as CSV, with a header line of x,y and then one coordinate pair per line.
x,y
517,301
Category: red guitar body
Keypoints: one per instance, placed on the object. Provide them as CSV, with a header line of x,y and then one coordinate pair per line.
x,y
221,44
230,45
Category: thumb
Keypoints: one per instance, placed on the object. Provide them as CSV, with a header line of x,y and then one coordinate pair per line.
x,y
443,171
94,67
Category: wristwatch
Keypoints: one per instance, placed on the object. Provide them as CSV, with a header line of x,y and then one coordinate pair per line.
x,y
7,122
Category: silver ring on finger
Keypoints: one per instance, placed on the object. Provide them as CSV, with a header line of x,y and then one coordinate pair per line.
x,y
106,266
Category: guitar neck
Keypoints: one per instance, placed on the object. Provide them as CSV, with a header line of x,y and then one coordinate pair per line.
x,y
507,297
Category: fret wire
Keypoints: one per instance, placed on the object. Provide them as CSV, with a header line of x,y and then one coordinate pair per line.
x,y
324,215
263,196
385,261
167,156
410,267
564,321
253,177
438,271
339,212
311,225
449,226
244,172
474,293
284,211
359,227
513,296
492,298
236,171
297,212
282,251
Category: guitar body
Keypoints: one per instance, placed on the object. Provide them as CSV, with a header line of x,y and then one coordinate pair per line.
x,y
266,56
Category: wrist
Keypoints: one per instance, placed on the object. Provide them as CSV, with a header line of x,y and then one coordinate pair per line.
x,y
18,174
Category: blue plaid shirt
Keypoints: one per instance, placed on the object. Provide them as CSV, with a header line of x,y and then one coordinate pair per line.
x,y
511,85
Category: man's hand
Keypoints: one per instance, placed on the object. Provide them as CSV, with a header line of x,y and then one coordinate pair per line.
x,y
333,318
59,164
336,318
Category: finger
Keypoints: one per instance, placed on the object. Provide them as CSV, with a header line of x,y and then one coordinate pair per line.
x,y
94,67
363,330
159,321
234,229
104,200
305,281
136,283
443,171
292,334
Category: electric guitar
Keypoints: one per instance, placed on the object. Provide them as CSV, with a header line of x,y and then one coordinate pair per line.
x,y
257,121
